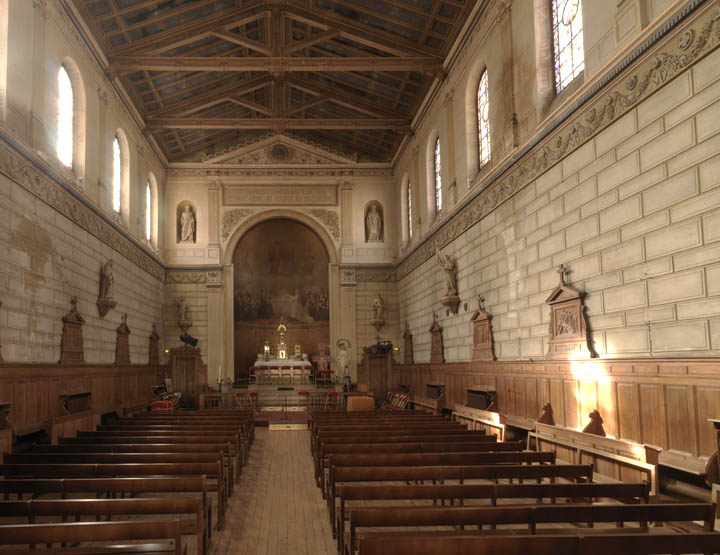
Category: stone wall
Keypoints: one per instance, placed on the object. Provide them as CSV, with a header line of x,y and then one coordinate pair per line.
x,y
633,212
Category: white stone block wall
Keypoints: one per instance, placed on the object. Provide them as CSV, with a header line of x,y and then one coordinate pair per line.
x,y
635,215
45,260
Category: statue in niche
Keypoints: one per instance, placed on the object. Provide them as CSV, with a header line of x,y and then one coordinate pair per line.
x,y
448,266
184,315
373,223
378,311
378,307
105,301
187,225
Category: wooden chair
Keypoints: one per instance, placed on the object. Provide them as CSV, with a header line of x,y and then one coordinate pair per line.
x,y
273,374
307,373
297,373
285,374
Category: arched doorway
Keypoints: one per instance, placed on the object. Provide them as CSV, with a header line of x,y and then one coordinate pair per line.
x,y
280,273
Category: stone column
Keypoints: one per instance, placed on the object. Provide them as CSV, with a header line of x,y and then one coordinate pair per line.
x,y
39,96
334,285
348,321
228,319
215,340
346,215
510,139
452,194
214,223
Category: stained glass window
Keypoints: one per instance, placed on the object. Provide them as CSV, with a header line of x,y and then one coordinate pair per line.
x,y
65,107
148,211
116,175
567,41
438,178
483,113
409,210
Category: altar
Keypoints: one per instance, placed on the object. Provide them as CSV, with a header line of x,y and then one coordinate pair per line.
x,y
277,365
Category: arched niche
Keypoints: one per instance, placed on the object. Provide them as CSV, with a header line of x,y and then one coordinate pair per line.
x,y
183,233
374,220
226,344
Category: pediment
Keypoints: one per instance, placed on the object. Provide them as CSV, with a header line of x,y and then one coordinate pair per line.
x,y
279,149
564,293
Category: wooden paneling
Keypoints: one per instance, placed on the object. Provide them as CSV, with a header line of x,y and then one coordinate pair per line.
x,y
660,402
34,389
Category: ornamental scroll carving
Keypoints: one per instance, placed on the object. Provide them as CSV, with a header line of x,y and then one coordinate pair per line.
x,y
692,42
568,332
329,219
231,219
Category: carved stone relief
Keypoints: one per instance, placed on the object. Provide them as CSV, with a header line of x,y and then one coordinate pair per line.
x,y
122,345
437,351
408,351
568,331
71,347
329,219
483,346
231,219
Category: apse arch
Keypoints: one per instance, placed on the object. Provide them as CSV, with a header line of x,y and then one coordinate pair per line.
x,y
227,350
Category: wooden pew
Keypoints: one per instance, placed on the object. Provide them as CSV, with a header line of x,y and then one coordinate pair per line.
x,y
487,453
84,532
346,474
77,508
244,423
110,487
529,517
327,449
224,484
223,448
617,544
87,470
165,436
639,493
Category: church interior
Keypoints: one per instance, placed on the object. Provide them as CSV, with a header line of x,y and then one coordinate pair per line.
x,y
359,276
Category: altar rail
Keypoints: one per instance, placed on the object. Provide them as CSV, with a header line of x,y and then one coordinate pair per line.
x,y
660,402
34,391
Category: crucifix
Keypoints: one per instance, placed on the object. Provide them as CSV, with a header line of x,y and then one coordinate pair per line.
x,y
74,303
562,271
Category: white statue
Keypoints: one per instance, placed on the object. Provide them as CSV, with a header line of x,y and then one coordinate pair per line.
x,y
187,226
373,223
448,267
184,314
107,280
378,307
344,358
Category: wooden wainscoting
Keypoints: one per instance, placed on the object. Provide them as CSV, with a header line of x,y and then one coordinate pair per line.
x,y
34,390
660,402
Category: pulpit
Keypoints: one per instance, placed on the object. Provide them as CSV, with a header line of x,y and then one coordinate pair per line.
x,y
188,372
374,370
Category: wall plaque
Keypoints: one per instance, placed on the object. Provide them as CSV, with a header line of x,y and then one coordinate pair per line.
x,y
71,347
568,330
483,348
281,195
122,344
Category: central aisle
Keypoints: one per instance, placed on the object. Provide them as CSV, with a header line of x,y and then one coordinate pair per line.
x,y
276,508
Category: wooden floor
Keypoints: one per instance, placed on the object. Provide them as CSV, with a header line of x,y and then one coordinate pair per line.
x,y
276,508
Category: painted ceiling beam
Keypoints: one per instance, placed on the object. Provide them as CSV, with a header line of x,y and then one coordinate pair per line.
x,y
126,64
395,124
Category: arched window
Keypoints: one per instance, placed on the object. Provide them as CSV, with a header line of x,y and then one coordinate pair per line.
x,y
65,118
409,210
483,115
116,175
437,169
148,212
568,51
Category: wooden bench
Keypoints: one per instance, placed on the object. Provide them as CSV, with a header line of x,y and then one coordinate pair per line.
x,y
110,487
85,532
485,453
77,508
218,414
617,544
528,517
222,448
638,493
423,446
86,470
245,423
347,474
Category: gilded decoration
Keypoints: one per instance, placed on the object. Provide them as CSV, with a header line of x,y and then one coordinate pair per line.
x,y
231,219
329,219
691,43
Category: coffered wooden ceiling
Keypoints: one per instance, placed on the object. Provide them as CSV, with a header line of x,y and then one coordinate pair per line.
x,y
347,74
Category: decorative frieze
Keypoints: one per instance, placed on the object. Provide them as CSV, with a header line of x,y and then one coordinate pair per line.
x,y
374,275
329,219
280,195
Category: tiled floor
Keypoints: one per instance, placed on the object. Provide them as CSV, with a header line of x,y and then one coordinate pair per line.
x,y
276,508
